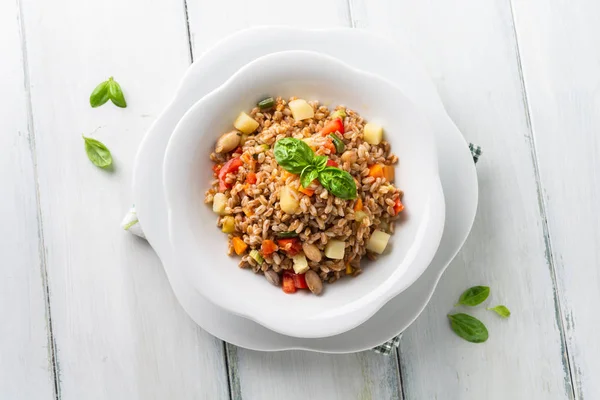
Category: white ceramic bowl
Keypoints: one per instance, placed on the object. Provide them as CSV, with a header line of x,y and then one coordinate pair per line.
x,y
199,246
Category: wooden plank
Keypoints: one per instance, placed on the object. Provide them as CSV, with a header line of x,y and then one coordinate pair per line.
x,y
301,375
560,53
291,375
26,369
119,330
470,50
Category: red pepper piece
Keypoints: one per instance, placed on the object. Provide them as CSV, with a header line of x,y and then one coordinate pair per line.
x,y
398,207
335,125
268,247
299,281
291,246
288,285
229,167
331,163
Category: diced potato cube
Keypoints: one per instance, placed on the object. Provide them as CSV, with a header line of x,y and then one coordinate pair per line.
x,y
301,109
219,203
288,200
373,133
228,224
300,263
360,215
335,249
378,241
245,124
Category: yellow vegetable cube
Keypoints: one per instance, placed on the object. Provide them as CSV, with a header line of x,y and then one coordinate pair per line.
x,y
378,241
300,263
288,200
373,133
301,109
245,123
219,203
335,249
228,224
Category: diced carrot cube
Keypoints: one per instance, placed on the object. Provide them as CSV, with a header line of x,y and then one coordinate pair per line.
x,y
239,246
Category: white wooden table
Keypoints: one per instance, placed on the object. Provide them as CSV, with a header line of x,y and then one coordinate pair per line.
x,y
86,310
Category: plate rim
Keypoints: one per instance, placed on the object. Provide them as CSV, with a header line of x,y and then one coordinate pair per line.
x,y
267,32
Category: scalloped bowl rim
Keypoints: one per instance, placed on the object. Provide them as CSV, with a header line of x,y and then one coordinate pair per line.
x,y
179,157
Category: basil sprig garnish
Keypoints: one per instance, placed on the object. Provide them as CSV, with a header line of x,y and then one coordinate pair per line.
x,y
297,157
108,90
338,182
309,174
293,155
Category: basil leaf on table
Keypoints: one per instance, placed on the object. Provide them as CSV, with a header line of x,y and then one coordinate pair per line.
x,y
100,95
308,175
501,310
469,328
293,155
474,296
338,182
116,94
97,152
320,162
108,90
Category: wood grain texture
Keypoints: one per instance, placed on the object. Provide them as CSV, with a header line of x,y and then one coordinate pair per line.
x,y
291,375
471,52
26,370
559,44
119,330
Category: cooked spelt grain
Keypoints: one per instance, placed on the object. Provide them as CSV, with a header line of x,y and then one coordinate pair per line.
x,y
321,216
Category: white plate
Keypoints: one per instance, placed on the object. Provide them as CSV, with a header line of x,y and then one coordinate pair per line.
x,y
360,49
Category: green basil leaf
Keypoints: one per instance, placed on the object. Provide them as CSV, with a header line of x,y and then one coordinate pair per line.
x,y
97,152
474,296
469,328
308,175
100,95
320,162
293,155
501,311
338,182
115,93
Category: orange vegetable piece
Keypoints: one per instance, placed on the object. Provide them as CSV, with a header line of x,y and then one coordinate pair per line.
x,y
251,178
398,207
329,145
389,173
358,206
376,171
239,246
248,160
308,192
268,247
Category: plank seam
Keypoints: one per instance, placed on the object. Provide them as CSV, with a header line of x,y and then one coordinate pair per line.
x,y
351,13
189,32
52,348
399,369
233,379
559,317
